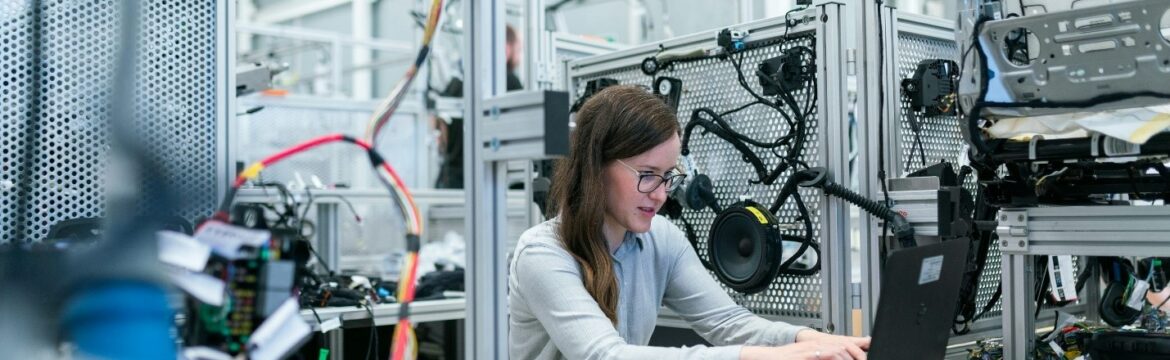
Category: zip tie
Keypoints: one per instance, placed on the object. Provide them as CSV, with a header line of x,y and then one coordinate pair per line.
x,y
1096,145
1032,146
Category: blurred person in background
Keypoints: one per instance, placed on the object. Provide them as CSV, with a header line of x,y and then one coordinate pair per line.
x,y
451,135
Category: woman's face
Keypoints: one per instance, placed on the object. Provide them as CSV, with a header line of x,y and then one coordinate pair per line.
x,y
627,208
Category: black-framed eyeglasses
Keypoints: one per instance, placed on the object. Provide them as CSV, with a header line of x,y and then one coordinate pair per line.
x,y
647,183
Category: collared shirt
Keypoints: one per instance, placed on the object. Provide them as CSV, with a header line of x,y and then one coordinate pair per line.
x,y
552,316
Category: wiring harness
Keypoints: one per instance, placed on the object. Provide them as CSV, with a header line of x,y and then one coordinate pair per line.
x,y
780,78
386,108
404,337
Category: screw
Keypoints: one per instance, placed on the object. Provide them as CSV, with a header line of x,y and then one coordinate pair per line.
x,y
1003,218
1003,244
495,144
1020,218
1021,243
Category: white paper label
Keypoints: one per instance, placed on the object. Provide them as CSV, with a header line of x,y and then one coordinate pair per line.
x,y
931,270
204,353
1056,348
280,334
1137,298
330,325
1060,276
183,251
208,289
226,239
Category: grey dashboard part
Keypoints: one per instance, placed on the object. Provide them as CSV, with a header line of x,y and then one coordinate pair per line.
x,y
1033,7
1073,56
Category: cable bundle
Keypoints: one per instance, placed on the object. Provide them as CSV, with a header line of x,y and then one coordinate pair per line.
x,y
403,333
381,116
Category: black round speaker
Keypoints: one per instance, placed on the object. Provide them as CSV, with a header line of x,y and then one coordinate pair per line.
x,y
1112,308
745,247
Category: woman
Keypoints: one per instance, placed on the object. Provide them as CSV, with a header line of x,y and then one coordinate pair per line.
x,y
588,284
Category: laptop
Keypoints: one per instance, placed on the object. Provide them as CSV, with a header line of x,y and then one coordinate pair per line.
x,y
919,296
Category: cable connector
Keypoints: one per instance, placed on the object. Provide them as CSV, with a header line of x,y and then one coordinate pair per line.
x,y
403,311
731,40
819,178
412,243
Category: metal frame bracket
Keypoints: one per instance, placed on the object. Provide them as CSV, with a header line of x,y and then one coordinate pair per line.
x,y
525,126
1013,231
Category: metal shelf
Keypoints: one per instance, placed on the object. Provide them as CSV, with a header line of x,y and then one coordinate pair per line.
x,y
1085,230
1070,230
387,314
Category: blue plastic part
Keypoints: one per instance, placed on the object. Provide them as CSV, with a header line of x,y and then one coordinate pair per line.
x,y
121,320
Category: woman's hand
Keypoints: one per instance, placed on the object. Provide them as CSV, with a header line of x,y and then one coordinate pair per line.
x,y
809,350
808,335
812,345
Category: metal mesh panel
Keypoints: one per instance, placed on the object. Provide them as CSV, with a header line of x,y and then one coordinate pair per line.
x,y
16,63
712,83
943,140
333,164
77,43
942,137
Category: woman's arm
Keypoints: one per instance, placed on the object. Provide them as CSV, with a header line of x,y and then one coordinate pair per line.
x,y
549,282
694,295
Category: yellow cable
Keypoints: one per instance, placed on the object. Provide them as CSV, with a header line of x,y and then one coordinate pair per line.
x,y
428,34
252,171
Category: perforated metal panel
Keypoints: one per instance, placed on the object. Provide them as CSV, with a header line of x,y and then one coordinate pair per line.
x,y
712,83
72,58
941,136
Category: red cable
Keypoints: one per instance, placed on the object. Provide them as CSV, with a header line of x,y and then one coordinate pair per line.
x,y
292,150
402,184
399,343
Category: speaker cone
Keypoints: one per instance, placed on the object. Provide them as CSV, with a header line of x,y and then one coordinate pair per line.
x,y
745,247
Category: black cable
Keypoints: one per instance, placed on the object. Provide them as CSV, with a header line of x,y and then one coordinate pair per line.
x,y
308,205
917,140
881,163
719,119
819,178
990,303
806,243
801,125
764,176
373,350
286,198
321,334
738,64
797,128
741,108
357,217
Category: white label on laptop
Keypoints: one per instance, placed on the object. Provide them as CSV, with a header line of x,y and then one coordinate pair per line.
x,y
931,270
1137,298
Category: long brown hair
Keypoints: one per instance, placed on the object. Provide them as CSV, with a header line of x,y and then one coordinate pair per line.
x,y
615,123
